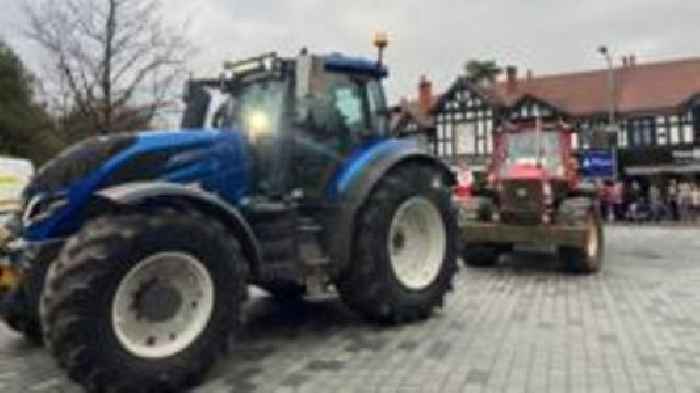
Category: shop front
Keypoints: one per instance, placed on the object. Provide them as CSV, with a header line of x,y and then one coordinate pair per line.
x,y
659,165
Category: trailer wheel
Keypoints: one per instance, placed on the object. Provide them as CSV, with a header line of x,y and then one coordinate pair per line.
x,y
589,258
144,301
404,248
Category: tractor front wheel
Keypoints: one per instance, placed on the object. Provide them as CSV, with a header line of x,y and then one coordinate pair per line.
x,y
589,257
144,301
404,247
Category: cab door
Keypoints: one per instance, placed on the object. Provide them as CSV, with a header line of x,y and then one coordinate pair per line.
x,y
337,122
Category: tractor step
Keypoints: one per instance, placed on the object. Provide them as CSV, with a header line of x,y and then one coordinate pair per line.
x,y
308,225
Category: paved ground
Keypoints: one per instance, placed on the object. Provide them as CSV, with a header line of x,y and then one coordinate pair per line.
x,y
520,327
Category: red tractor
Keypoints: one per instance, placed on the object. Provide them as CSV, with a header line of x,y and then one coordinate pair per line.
x,y
533,196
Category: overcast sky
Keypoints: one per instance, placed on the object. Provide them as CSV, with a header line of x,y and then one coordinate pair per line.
x,y
427,37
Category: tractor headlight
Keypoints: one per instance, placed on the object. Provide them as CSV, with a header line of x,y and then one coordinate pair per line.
x,y
547,192
41,207
258,123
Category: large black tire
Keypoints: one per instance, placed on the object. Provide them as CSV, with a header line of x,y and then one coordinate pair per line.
x,y
23,314
481,255
371,286
76,308
589,258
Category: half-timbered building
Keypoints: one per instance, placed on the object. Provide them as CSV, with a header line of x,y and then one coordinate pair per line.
x,y
657,107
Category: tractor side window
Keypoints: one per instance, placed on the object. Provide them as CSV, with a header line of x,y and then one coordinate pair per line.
x,y
349,104
339,112
377,105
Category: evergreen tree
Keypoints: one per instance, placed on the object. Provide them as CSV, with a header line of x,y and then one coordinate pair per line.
x,y
26,129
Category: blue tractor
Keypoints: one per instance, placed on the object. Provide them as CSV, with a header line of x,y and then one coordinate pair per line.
x,y
133,253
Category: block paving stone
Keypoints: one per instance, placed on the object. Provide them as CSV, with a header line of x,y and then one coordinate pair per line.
x,y
523,326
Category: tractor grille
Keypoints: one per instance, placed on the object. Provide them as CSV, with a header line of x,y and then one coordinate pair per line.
x,y
522,202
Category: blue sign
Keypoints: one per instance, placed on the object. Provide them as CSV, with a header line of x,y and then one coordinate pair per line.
x,y
597,163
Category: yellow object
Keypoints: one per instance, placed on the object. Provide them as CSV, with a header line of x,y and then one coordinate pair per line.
x,y
381,39
4,236
9,278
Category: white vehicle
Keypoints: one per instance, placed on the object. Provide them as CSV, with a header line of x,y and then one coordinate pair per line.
x,y
14,176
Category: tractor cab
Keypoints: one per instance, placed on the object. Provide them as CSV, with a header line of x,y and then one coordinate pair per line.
x,y
301,117
531,170
532,152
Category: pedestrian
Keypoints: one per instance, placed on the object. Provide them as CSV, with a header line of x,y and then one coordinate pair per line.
x,y
695,197
684,201
606,199
636,200
655,203
672,198
617,194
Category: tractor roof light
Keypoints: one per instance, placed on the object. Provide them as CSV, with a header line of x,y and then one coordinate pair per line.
x,y
381,40
266,62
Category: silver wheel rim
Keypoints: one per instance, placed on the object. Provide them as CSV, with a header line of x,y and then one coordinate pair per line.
x,y
179,273
593,241
417,243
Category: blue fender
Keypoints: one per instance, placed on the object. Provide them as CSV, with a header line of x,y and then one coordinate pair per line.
x,y
135,194
355,181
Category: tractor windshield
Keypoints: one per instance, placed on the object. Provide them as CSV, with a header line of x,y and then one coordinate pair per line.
x,y
522,149
257,109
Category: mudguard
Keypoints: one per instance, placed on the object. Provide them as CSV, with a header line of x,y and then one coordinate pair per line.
x,y
137,193
355,186
574,210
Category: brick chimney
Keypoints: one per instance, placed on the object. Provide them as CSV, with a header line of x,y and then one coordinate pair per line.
x,y
425,94
511,78
529,75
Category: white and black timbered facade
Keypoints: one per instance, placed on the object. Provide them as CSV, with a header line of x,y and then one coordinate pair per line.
x,y
465,121
466,116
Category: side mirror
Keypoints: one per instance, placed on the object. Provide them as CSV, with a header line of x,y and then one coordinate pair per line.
x,y
198,100
186,91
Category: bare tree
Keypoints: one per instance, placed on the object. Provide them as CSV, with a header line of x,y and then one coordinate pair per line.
x,y
110,56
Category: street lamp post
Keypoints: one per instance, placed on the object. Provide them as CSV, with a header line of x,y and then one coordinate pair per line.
x,y
612,128
603,50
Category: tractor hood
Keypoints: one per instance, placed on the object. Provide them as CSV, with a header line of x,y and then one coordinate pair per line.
x,y
212,159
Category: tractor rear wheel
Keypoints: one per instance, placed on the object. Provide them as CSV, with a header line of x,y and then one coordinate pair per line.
x,y
143,301
404,249
589,258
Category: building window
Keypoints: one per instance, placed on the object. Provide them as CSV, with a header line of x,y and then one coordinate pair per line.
x,y
622,139
662,130
642,131
696,122
688,133
584,136
466,136
489,135
444,141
